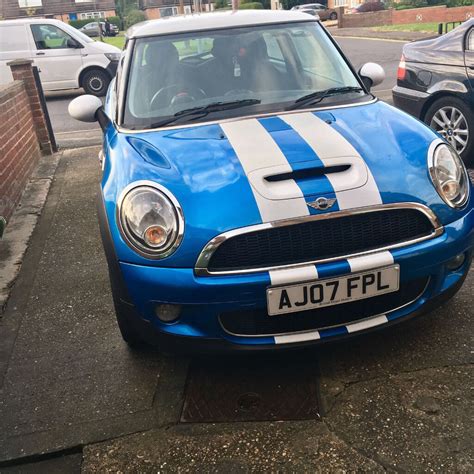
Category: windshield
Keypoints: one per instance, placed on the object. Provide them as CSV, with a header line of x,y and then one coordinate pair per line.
x,y
237,72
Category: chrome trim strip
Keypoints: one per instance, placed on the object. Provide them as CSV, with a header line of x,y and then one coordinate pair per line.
x,y
243,117
154,255
207,252
330,327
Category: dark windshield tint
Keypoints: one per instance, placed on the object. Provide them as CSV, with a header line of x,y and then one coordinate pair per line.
x,y
273,64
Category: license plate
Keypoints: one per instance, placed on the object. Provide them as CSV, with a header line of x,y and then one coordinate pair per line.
x,y
332,291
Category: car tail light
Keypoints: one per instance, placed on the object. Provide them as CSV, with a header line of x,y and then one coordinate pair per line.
x,y
402,69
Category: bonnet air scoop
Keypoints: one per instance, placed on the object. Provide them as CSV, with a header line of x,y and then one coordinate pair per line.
x,y
344,173
307,174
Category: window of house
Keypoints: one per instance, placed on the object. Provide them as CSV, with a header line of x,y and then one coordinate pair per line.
x,y
50,37
168,11
91,15
29,3
83,1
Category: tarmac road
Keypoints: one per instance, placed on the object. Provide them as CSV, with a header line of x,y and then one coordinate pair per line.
x,y
70,132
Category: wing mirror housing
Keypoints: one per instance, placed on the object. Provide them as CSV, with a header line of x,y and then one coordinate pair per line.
x,y
73,44
88,108
372,74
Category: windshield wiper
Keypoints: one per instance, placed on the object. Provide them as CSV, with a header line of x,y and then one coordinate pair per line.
x,y
206,109
318,96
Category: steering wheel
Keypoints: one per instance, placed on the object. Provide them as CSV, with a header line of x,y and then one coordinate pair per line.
x,y
170,95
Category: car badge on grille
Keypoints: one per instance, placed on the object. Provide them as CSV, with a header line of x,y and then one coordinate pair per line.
x,y
322,203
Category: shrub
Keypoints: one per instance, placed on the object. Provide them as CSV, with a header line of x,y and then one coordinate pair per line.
x,y
135,16
221,4
251,6
459,3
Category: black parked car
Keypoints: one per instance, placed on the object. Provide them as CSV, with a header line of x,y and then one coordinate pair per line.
x,y
435,82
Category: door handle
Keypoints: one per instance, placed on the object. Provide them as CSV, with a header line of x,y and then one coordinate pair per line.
x,y
40,53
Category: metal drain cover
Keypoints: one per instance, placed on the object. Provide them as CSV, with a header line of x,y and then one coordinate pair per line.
x,y
250,390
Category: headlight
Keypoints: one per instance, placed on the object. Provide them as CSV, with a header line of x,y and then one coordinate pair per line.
x,y
112,56
151,220
448,174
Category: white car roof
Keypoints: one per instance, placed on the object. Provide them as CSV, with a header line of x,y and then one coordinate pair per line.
x,y
27,21
214,21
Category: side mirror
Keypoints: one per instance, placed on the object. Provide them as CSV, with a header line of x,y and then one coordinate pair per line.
x,y
372,74
84,108
73,44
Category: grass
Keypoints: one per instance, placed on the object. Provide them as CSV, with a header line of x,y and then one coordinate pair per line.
x,y
118,40
422,27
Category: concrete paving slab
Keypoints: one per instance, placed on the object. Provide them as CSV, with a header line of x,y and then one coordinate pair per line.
x,y
229,448
70,464
411,422
69,379
22,223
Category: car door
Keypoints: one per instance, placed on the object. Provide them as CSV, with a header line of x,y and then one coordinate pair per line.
x,y
57,55
469,56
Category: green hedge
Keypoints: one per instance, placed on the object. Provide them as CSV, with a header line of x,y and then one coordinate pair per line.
x,y
251,6
80,23
134,16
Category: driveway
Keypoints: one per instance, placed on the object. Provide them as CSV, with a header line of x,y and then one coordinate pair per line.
x,y
74,397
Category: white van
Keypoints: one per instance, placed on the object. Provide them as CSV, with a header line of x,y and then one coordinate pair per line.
x,y
66,58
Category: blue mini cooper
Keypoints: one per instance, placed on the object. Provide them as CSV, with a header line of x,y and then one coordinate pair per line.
x,y
256,195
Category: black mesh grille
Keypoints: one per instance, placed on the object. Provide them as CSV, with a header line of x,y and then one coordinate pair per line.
x,y
257,322
321,239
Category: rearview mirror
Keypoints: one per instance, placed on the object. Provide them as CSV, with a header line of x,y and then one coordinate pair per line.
x,y
85,108
372,74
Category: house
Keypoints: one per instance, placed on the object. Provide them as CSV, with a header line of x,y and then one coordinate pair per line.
x,y
162,8
60,9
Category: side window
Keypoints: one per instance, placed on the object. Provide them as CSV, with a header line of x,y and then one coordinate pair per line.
x,y
51,37
273,48
470,40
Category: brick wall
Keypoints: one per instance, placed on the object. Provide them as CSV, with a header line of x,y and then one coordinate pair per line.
x,y
19,147
22,71
440,14
357,20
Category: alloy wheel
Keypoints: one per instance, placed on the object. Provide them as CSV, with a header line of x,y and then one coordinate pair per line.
x,y
96,83
452,125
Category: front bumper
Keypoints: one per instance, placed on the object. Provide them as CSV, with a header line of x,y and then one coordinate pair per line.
x,y
203,299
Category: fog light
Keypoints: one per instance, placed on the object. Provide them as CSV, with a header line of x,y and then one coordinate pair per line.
x,y
168,313
456,262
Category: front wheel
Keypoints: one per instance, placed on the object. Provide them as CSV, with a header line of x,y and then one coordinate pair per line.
x,y
96,82
454,121
333,16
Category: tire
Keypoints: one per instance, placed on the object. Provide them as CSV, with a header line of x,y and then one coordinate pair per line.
x,y
439,117
333,16
95,82
129,334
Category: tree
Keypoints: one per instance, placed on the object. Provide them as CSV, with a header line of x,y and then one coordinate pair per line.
x,y
134,16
